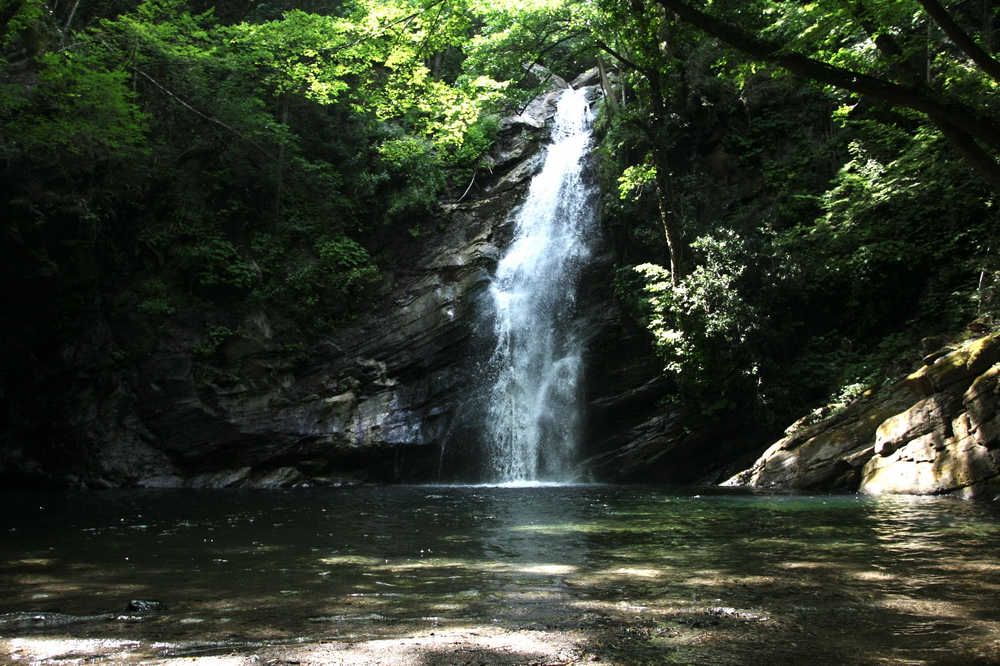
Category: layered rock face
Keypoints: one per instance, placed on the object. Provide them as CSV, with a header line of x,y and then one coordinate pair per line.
x,y
937,432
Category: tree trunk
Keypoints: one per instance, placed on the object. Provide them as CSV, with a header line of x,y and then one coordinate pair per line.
x,y
609,92
668,216
656,132
961,39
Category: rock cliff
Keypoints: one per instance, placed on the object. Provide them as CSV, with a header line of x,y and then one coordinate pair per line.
x,y
935,432
389,397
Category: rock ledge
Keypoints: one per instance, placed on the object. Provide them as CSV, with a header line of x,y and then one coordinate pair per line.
x,y
936,432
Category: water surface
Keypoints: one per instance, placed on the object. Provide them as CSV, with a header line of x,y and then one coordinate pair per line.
x,y
637,574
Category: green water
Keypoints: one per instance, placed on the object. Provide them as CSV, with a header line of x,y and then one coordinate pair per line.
x,y
648,575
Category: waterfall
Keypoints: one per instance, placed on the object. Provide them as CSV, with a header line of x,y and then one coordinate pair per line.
x,y
535,401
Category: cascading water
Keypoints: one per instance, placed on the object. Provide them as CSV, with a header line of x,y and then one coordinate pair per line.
x,y
535,401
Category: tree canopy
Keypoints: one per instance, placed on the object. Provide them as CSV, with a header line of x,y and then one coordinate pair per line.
x,y
795,191
246,160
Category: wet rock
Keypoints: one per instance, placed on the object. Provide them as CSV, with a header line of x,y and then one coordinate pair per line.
x,y
161,481
985,489
674,446
932,414
516,176
222,479
961,365
336,480
930,465
932,345
145,606
282,477
592,77
827,454
982,402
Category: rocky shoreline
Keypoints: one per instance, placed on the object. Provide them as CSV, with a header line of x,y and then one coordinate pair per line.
x,y
935,432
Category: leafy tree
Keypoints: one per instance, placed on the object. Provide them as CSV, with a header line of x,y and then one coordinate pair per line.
x,y
244,159
513,38
817,42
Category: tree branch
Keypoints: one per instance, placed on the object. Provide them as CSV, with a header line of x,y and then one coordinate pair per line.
x,y
618,56
958,115
214,121
960,38
981,161
548,48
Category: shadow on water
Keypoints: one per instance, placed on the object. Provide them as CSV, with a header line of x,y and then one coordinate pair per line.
x,y
454,575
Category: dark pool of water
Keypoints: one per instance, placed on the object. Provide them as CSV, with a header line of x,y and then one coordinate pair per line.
x,y
649,575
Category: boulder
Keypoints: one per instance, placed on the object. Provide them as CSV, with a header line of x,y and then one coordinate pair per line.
x,y
930,465
960,366
826,455
932,414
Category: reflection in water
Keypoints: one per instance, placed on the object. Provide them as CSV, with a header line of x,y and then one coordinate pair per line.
x,y
647,574
534,528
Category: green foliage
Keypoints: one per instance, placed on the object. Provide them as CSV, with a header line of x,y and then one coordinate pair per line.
x,y
635,180
156,304
705,328
18,17
215,336
245,162
514,36
902,214
346,265
215,261
156,308
479,138
825,307
822,242
314,290
832,362
77,104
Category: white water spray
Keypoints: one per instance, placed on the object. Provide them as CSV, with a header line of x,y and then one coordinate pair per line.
x,y
536,402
